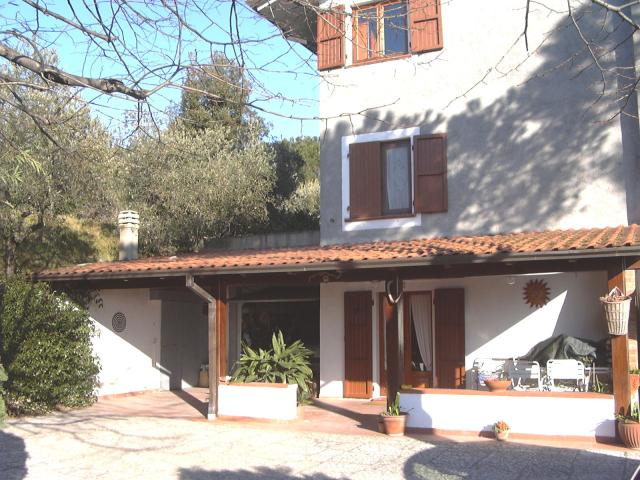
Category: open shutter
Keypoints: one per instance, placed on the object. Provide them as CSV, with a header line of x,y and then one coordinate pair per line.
x,y
449,337
331,39
365,180
430,173
425,19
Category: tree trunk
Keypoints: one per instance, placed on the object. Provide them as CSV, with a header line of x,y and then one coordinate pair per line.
x,y
10,257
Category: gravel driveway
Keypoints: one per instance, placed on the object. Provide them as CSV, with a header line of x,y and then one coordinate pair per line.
x,y
79,445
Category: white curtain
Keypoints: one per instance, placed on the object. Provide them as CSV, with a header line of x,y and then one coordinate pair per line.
x,y
397,176
421,317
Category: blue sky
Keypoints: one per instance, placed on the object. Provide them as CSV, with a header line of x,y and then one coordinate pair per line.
x,y
285,76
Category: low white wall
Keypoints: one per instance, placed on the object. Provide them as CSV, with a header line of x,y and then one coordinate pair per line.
x,y
535,415
128,359
498,323
276,402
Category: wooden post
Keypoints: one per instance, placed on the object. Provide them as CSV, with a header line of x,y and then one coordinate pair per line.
x,y
619,277
395,353
212,410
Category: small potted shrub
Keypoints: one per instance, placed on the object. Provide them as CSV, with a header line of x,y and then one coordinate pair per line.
x,y
629,427
393,419
634,379
501,430
498,383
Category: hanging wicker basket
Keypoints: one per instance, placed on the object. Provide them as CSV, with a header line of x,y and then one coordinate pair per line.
x,y
616,306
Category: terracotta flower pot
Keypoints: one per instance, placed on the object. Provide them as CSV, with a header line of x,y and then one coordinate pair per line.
x,y
629,434
634,381
394,425
502,435
498,385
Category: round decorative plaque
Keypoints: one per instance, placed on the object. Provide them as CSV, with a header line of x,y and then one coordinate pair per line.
x,y
119,322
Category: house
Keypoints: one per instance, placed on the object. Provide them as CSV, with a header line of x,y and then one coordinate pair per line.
x,y
459,173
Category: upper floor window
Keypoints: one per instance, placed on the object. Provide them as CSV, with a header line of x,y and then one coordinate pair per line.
x,y
398,178
380,31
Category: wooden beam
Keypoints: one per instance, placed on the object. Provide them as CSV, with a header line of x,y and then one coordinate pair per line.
x,y
222,319
620,352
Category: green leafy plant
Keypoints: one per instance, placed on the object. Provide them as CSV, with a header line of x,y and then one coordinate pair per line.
x,y
281,364
634,371
393,410
3,410
46,349
631,416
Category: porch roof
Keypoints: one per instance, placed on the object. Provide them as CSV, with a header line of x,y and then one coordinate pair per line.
x,y
552,244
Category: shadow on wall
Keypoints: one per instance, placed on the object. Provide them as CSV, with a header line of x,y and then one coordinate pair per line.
x,y
521,161
13,457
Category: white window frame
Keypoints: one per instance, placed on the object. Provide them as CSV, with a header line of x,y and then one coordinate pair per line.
x,y
402,222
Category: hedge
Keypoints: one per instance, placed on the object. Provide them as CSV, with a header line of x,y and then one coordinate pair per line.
x,y
45,346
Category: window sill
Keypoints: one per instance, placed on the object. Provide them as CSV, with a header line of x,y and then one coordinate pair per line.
x,y
369,61
381,217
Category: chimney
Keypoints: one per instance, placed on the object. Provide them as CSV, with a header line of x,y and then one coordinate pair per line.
x,y
128,223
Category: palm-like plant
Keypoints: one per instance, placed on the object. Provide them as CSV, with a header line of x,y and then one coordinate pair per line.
x,y
281,364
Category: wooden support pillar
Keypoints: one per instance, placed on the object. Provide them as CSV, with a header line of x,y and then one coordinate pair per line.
x,y
212,321
625,281
395,352
222,327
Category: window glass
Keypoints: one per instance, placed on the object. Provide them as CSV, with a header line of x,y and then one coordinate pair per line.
x,y
367,33
420,311
395,29
396,174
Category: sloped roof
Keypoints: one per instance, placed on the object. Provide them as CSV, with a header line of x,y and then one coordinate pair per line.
x,y
296,19
623,240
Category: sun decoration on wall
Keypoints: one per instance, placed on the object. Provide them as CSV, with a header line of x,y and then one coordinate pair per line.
x,y
536,293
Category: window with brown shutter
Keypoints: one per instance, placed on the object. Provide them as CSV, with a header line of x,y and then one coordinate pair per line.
x,y
365,180
380,30
430,167
330,37
425,19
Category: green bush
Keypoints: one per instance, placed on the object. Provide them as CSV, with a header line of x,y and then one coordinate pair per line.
x,y
281,364
3,410
45,345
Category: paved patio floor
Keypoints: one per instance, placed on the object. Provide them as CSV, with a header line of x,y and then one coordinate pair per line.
x,y
130,438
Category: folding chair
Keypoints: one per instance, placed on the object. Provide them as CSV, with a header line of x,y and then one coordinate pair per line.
x,y
566,370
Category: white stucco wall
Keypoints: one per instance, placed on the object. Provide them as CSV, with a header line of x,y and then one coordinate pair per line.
x,y
532,415
128,359
497,321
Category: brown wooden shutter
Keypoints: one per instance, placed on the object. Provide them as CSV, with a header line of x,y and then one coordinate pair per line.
x,y
358,381
365,180
430,173
425,19
449,337
331,39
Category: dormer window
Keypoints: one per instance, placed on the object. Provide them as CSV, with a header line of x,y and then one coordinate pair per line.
x,y
380,31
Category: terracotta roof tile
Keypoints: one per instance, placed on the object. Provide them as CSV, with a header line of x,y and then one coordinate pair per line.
x,y
366,253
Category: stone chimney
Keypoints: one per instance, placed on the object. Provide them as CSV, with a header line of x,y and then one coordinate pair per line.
x,y
128,224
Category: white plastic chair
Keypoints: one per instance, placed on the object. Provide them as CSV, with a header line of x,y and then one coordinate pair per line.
x,y
566,370
523,371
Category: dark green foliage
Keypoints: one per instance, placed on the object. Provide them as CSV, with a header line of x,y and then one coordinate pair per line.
x,y
3,409
281,364
45,346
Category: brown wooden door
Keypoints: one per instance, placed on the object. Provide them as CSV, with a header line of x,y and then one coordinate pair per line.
x,y
357,345
449,337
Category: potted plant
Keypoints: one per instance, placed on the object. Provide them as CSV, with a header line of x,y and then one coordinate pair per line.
x,y
501,429
629,427
634,378
498,383
616,306
393,419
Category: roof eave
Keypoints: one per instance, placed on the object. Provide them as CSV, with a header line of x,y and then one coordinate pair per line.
x,y
453,259
295,19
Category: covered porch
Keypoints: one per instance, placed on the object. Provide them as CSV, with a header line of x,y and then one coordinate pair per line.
x,y
469,289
